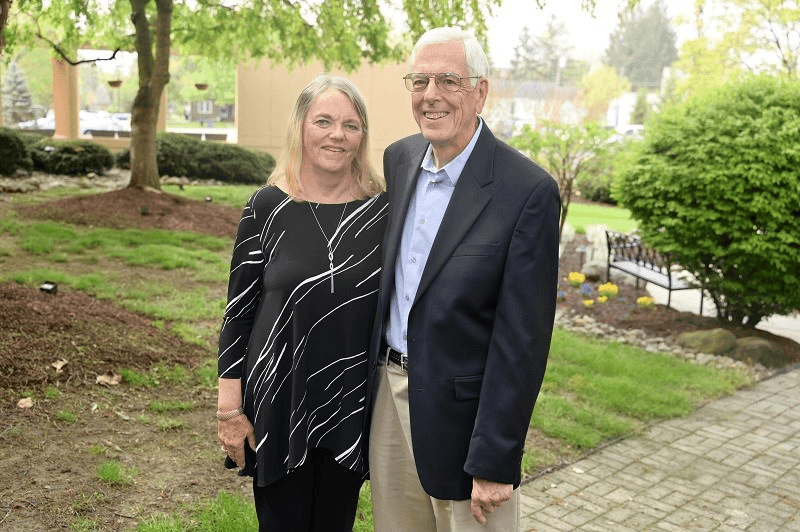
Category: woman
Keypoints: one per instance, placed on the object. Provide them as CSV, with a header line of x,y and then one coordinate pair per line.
x,y
301,302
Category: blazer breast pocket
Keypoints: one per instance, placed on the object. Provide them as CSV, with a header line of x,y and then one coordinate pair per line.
x,y
468,388
476,250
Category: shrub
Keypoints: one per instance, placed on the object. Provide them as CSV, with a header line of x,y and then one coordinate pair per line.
x,y
13,153
71,157
597,187
182,156
231,163
716,183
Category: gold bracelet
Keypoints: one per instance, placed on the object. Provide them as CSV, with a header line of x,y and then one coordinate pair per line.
x,y
225,416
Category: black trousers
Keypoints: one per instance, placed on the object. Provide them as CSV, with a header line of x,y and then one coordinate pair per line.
x,y
319,496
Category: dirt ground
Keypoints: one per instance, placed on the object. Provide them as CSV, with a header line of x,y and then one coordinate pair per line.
x,y
48,462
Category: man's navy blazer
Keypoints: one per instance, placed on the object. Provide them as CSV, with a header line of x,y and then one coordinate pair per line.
x,y
480,325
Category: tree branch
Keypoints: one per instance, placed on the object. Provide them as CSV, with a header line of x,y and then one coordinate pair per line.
x,y
5,6
72,62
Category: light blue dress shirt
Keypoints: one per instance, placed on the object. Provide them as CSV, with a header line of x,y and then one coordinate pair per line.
x,y
425,212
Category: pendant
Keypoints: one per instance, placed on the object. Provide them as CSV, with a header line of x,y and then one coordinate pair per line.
x,y
330,264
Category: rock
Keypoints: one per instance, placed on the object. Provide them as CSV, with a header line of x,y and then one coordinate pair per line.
x,y
595,271
714,341
755,350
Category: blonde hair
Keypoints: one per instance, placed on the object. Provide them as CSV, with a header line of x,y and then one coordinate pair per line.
x,y
369,182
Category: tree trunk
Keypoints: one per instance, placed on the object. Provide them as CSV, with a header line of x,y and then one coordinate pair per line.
x,y
5,6
153,77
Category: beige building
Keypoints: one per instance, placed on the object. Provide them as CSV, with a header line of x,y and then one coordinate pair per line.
x,y
265,96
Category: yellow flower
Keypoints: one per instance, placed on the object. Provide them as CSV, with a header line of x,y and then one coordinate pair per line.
x,y
609,290
602,299
588,303
576,278
645,302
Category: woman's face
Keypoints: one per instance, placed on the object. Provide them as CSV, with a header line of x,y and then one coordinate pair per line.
x,y
332,135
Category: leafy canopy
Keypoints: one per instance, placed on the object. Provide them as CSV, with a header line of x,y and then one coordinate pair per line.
x,y
716,184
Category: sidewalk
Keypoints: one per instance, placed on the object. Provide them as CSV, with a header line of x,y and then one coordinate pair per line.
x,y
734,464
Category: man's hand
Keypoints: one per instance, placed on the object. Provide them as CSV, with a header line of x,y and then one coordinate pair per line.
x,y
232,434
487,496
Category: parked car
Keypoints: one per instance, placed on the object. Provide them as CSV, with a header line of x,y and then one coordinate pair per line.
x,y
88,121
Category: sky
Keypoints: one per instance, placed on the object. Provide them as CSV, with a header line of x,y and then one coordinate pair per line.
x,y
588,36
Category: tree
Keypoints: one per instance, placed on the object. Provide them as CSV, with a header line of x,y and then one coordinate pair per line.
x,y
642,45
185,72
567,151
17,103
641,109
336,32
541,58
716,184
600,87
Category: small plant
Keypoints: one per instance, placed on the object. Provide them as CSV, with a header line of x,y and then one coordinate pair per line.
x,y
167,406
609,290
576,278
588,303
645,302
115,474
561,295
52,393
66,416
137,379
586,291
97,449
168,423
602,299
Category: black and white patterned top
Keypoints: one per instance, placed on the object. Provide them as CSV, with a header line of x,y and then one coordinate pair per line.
x,y
300,350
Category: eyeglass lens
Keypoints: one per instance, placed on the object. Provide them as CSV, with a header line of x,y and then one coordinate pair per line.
x,y
446,81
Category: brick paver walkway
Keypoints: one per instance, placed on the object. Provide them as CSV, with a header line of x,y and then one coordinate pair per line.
x,y
732,465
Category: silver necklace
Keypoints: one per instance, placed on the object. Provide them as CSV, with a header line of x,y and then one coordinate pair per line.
x,y
329,241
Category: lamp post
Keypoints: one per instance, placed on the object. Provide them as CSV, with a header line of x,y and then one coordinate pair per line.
x,y
201,87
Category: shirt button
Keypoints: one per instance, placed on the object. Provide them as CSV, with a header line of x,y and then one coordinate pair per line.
x,y
406,298
413,259
405,337
436,184
422,221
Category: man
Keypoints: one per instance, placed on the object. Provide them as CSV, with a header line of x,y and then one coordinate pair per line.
x,y
466,305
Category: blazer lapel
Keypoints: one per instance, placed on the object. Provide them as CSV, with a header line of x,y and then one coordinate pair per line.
x,y
468,201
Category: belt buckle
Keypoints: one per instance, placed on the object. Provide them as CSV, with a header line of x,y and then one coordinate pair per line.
x,y
404,362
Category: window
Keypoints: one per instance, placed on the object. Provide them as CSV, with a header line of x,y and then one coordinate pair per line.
x,y
205,107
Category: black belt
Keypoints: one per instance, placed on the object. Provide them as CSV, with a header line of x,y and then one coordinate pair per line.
x,y
401,359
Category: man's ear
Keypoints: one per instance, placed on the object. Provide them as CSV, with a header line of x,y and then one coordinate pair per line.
x,y
483,92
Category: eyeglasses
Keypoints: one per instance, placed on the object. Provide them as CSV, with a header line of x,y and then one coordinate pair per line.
x,y
446,81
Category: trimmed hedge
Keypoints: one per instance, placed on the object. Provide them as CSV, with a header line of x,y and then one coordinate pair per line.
x,y
71,157
13,154
183,156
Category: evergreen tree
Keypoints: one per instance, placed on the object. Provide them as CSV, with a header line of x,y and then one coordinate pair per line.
x,y
641,109
642,45
537,58
16,96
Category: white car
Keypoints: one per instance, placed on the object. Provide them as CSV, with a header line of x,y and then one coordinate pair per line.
x,y
88,121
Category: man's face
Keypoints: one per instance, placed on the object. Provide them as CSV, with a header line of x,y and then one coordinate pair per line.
x,y
447,119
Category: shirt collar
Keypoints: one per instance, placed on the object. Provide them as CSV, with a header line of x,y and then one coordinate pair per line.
x,y
452,170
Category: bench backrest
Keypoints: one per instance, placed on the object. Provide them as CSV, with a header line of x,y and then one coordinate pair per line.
x,y
625,247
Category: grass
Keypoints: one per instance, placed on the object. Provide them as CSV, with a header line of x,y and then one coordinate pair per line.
x,y
593,392
581,215
115,474
230,195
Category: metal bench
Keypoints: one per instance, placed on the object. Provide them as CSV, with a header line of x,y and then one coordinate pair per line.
x,y
626,253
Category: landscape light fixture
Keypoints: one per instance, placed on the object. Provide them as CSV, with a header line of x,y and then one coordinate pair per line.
x,y
144,210
581,253
208,199
49,286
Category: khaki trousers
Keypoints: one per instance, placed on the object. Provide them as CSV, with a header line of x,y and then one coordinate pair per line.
x,y
399,503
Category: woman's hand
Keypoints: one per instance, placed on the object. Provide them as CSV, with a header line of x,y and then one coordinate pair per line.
x,y
232,433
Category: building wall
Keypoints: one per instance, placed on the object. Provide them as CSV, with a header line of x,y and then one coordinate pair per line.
x,y
266,94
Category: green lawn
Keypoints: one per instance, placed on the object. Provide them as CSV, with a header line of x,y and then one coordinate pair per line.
x,y
594,391
581,215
